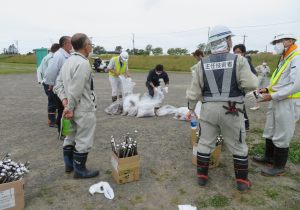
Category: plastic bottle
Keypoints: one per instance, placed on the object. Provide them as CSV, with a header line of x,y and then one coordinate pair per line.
x,y
194,121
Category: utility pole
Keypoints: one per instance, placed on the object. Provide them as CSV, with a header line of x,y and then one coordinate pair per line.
x,y
17,45
266,48
133,43
208,30
244,39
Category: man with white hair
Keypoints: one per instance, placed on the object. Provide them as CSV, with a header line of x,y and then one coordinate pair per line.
x,y
79,99
219,81
117,66
284,107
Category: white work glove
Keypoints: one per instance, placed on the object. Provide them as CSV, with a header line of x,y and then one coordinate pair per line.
x,y
102,187
167,89
155,89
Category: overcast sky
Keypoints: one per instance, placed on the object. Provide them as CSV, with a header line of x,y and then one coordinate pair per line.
x,y
161,23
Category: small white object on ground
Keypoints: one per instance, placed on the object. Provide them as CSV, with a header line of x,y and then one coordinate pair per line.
x,y
187,207
102,187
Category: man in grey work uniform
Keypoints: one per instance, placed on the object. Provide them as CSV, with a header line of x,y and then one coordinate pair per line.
x,y
284,107
51,97
53,70
219,81
77,94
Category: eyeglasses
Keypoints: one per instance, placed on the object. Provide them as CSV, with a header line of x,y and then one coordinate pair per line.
x,y
91,44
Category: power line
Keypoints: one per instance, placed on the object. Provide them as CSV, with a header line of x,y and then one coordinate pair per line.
x,y
266,25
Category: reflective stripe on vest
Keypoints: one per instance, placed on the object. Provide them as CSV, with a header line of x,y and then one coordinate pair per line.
x,y
278,72
219,76
119,70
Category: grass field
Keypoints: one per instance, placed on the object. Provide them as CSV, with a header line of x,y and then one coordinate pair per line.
x,y
15,64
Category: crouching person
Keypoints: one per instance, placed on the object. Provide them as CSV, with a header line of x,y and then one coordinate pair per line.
x,y
76,91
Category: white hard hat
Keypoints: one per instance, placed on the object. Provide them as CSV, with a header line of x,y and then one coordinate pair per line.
x,y
283,36
124,56
219,32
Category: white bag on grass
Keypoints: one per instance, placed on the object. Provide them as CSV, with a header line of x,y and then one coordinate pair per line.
x,y
181,113
166,110
115,108
145,110
147,103
127,85
130,104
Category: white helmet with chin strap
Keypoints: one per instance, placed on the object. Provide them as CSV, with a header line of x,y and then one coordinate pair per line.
x,y
283,36
124,56
219,32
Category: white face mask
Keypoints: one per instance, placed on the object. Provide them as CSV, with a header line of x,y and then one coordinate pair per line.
x,y
279,48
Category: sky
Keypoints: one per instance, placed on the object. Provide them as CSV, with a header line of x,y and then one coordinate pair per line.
x,y
162,23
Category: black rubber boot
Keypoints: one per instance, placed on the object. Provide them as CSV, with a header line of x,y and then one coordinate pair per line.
x,y
68,158
280,159
269,154
202,168
52,119
80,171
120,96
241,172
114,98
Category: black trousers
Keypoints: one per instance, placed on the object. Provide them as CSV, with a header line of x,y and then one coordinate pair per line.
x,y
51,99
247,123
60,109
150,89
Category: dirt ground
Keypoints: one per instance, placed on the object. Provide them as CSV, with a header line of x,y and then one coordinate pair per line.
x,y
168,177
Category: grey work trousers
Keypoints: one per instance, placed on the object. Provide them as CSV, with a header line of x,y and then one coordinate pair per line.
x,y
83,125
214,121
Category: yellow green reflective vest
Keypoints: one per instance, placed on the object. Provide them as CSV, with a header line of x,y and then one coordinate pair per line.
x,y
119,70
278,72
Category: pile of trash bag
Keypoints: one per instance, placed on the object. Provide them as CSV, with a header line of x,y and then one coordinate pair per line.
x,y
144,106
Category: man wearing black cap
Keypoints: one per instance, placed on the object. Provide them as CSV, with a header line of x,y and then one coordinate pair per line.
x,y
153,79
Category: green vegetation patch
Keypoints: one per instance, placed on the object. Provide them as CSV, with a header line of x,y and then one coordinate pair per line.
x,y
170,62
294,152
218,201
272,193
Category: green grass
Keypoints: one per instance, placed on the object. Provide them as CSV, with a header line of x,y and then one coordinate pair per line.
x,y
17,68
218,201
257,149
271,193
171,63
181,191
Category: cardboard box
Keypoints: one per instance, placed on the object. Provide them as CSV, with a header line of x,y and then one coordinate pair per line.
x,y
214,158
12,196
194,136
125,169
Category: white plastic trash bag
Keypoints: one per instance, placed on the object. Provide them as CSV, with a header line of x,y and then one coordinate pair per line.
x,y
181,113
147,103
127,85
130,104
115,108
166,110
145,110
